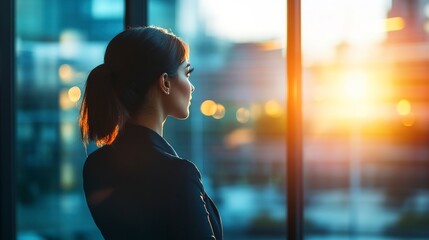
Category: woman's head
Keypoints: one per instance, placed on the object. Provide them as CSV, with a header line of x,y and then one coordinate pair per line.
x,y
135,61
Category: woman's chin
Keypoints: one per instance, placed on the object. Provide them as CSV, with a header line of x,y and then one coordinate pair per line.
x,y
187,114
182,116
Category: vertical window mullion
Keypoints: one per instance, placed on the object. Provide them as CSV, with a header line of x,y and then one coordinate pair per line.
x,y
136,13
7,119
294,163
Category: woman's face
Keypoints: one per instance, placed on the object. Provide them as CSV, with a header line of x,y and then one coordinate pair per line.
x,y
181,91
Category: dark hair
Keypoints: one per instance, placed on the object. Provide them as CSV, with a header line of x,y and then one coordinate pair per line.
x,y
114,90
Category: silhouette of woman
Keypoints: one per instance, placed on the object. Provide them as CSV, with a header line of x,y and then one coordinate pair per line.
x,y
136,186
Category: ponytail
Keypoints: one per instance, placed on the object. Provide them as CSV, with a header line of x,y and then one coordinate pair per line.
x,y
101,114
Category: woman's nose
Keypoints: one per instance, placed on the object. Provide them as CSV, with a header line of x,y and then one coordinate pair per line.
x,y
192,88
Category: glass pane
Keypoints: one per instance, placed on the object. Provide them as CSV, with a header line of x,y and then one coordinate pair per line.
x,y
58,43
235,133
366,135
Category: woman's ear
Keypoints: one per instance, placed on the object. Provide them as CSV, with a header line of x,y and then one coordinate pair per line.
x,y
164,83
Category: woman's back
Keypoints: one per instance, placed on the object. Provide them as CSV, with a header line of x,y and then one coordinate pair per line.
x,y
138,188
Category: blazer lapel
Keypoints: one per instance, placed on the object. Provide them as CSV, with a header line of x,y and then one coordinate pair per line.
x,y
217,219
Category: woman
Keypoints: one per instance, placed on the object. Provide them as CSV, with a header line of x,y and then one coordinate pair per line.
x,y
135,185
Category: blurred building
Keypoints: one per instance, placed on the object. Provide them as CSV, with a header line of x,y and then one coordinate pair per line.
x,y
380,145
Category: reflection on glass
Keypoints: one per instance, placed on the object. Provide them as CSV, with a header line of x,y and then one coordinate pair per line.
x,y
57,44
366,80
235,132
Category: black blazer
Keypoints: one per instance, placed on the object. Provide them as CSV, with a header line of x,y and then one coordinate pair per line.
x,y
138,188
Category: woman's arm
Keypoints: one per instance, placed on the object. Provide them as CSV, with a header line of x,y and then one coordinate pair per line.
x,y
191,218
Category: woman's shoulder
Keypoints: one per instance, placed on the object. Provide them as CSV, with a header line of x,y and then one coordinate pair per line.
x,y
182,166
98,164
99,157
165,165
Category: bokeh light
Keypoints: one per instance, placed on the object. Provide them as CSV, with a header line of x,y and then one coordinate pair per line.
x,y
273,108
220,111
66,73
239,137
208,107
394,24
243,115
403,107
74,94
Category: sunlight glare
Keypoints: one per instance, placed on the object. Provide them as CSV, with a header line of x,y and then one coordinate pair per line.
x,y
244,20
355,85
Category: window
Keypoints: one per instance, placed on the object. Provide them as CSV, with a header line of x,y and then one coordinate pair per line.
x,y
235,133
365,119
57,44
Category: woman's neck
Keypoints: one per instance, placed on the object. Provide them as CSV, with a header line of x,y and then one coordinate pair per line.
x,y
151,118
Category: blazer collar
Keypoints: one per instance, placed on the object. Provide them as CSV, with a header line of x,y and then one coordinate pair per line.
x,y
144,135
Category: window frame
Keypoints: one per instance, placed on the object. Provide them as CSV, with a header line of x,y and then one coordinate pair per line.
x,y
7,120
294,165
136,15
